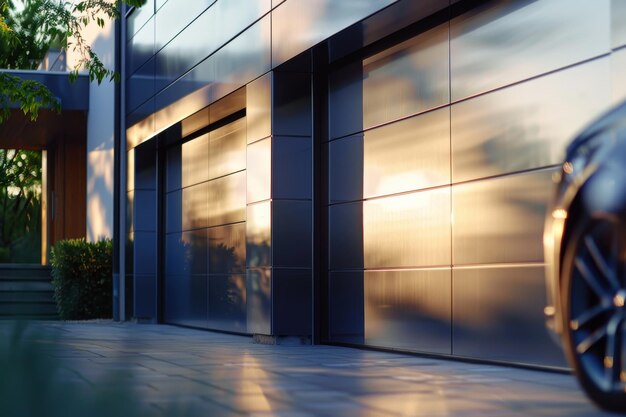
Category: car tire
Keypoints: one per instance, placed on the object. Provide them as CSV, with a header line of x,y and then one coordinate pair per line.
x,y
593,285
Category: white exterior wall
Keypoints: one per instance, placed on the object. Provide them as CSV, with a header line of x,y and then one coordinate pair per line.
x,y
100,131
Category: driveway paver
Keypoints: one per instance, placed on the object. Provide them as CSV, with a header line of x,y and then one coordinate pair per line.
x,y
104,368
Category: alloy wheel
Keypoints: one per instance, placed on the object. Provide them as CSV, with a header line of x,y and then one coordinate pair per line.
x,y
595,316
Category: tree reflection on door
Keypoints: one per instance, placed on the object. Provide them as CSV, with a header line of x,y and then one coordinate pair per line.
x,y
20,206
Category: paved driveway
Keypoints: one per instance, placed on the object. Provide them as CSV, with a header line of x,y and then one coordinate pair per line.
x,y
110,369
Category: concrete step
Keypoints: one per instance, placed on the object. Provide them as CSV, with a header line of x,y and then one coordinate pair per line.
x,y
31,317
27,309
25,296
13,272
25,286
26,292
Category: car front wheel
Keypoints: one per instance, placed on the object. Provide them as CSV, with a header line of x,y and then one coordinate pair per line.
x,y
593,295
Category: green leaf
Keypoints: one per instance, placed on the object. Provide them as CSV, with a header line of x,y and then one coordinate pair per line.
x,y
26,36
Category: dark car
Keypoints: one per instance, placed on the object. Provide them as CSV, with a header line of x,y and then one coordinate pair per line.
x,y
585,252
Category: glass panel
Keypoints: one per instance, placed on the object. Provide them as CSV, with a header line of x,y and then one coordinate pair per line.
x,y
618,67
140,124
346,308
174,211
493,324
194,122
345,167
227,249
227,149
195,155
194,87
346,100
291,104
345,240
234,16
527,125
140,86
145,166
292,300
140,48
186,300
172,18
259,234
504,42
408,155
227,199
195,251
198,300
408,230
297,25
176,299
243,59
187,49
407,78
227,302
409,310
145,253
259,171
144,205
139,17
173,170
145,297
501,219
195,206
618,23
258,301
259,108
292,158
291,233
175,255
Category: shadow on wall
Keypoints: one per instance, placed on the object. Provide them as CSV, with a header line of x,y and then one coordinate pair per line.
x,y
99,190
100,153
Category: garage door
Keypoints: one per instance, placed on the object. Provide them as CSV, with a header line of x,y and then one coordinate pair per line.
x,y
205,242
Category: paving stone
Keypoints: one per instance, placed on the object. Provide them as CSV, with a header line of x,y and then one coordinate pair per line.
x,y
161,370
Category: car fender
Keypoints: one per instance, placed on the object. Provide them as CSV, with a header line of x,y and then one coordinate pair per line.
x,y
604,192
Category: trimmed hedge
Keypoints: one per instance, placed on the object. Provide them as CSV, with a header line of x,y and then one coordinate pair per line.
x,y
82,278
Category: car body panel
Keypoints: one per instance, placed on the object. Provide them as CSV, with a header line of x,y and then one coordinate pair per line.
x,y
591,180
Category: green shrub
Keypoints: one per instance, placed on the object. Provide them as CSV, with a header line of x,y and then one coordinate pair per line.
x,y
82,278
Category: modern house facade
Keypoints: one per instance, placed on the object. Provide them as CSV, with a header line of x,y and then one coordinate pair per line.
x,y
362,172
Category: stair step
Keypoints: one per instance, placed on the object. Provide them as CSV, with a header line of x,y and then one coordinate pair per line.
x,y
26,293
18,309
25,286
46,317
28,272
31,317
26,278
26,296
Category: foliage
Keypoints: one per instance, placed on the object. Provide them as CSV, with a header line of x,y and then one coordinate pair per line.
x,y
82,278
29,94
28,34
20,206
28,44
